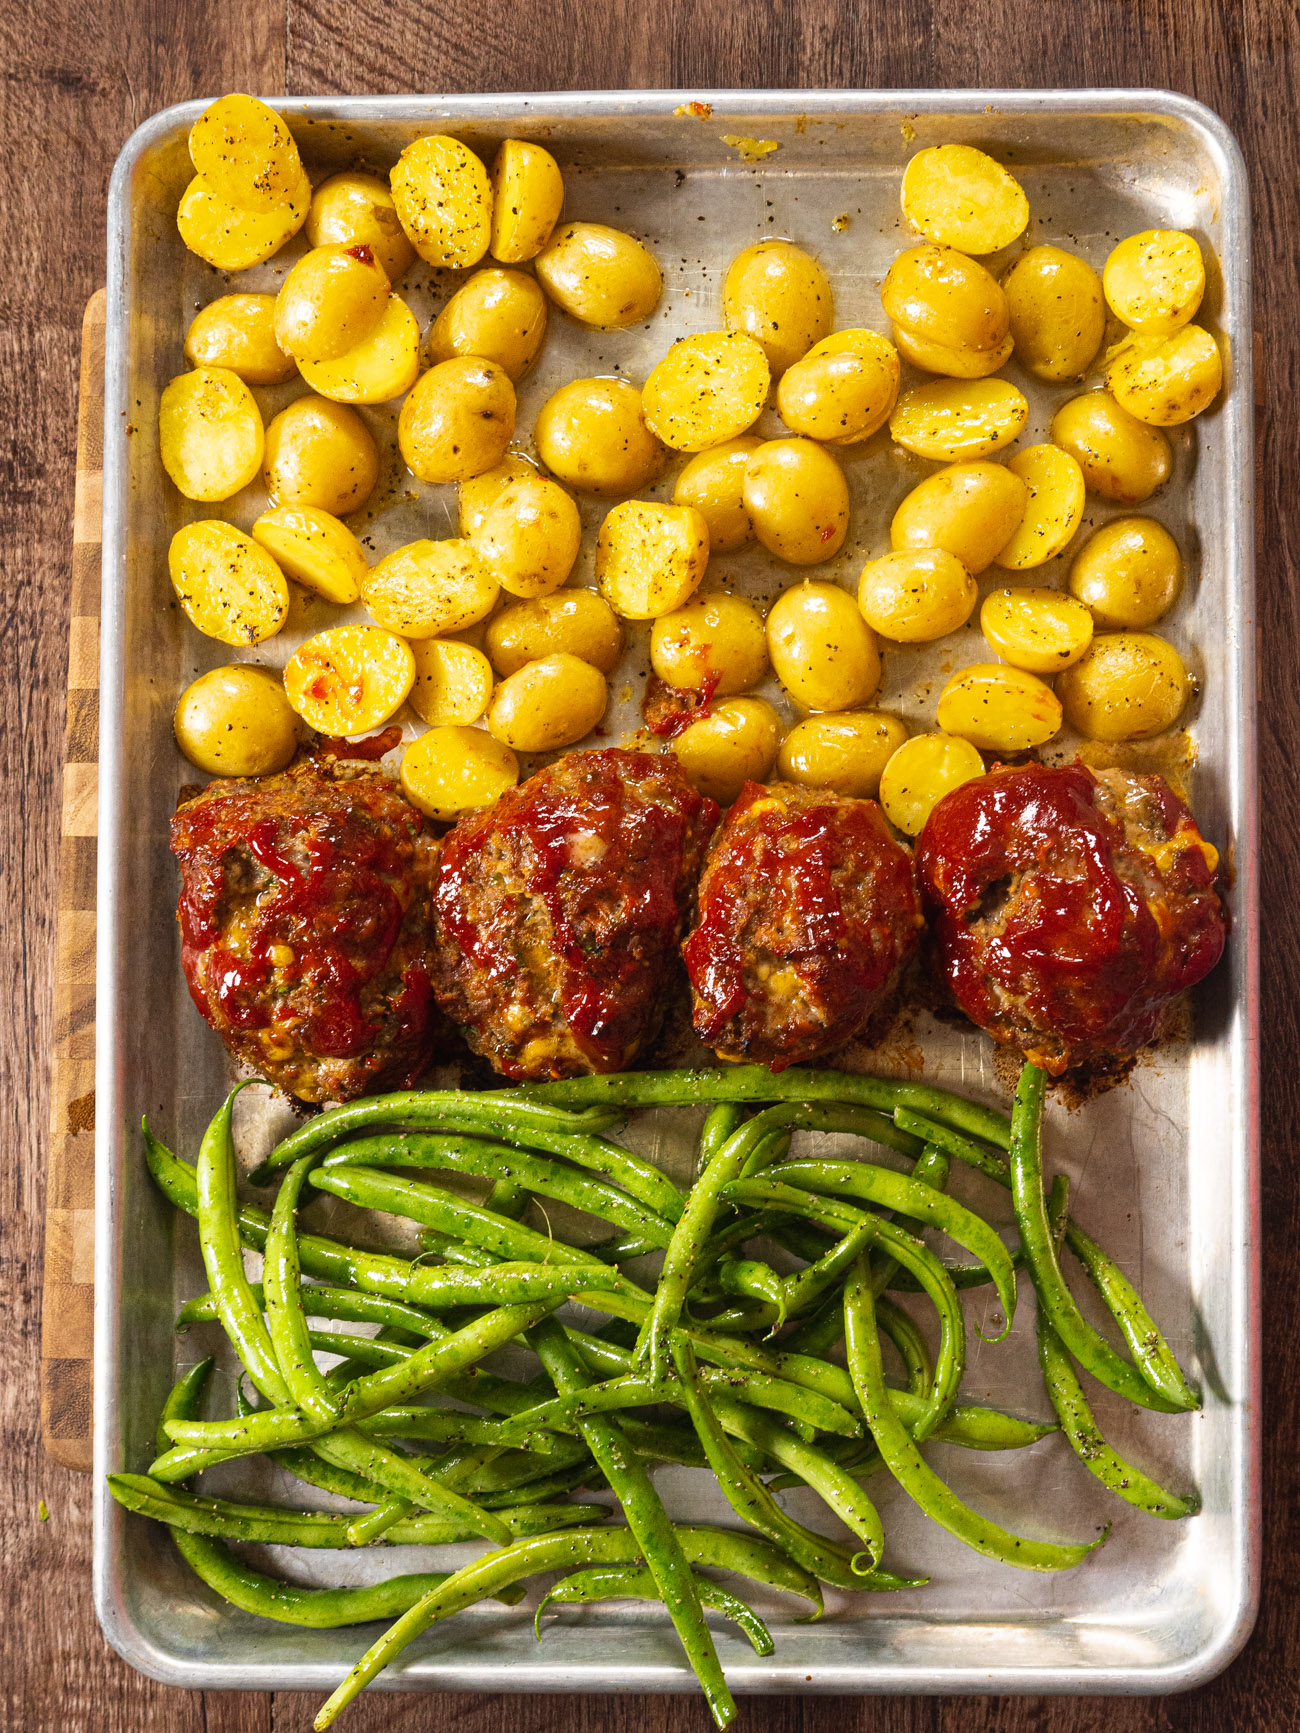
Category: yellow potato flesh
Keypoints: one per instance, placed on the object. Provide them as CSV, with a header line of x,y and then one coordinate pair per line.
x,y
822,650
1128,573
846,753
237,332
1053,510
457,420
960,197
210,433
231,239
453,682
236,721
1041,631
1166,381
500,315
920,773
716,644
314,549
547,704
952,420
1129,686
332,298
650,558
245,153
230,589
780,296
1057,312
354,209
443,201
450,770
384,365
842,390
527,198
592,435
798,499
708,389
1154,281
735,743
600,276
530,537
916,595
321,454
427,589
1121,457
577,621
349,679
999,709
969,509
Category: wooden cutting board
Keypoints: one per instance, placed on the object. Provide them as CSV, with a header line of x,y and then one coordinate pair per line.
x,y
67,1323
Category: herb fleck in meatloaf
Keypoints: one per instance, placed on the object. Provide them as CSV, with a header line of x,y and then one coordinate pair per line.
x,y
305,926
559,910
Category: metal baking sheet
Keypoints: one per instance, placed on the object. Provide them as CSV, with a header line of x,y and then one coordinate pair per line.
x,y
1164,1169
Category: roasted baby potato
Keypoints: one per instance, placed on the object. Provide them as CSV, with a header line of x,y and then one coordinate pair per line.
x,y
971,510
949,315
954,363
349,679
845,753
576,621
707,389
210,433
547,704
231,589
599,276
734,743
427,589
236,721
1129,686
232,239
244,151
322,454
314,549
715,644
457,420
237,332
499,315
331,300
916,595
384,365
920,773
1165,381
592,435
530,537
798,499
1041,631
960,197
443,201
999,709
780,296
951,420
453,682
1129,572
1154,281
842,390
355,209
450,770
476,496
1057,312
1121,457
527,197
714,483
822,650
650,557
1053,510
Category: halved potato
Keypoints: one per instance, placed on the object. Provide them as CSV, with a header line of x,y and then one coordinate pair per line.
x,y
444,201
999,709
450,770
453,682
953,419
961,197
210,434
920,773
231,239
246,153
230,588
1053,510
315,549
384,365
427,589
476,496
349,679
708,388
650,558
600,276
498,315
527,198
1040,630
238,332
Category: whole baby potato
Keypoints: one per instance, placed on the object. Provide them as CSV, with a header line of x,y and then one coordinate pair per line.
x,y
236,721
969,509
576,621
1165,381
955,363
714,483
846,753
592,435
443,201
1129,686
527,197
715,644
953,419
457,420
210,433
237,332
530,537
1057,312
822,650
600,276
734,743
547,704
500,315
356,209
322,454
453,769
707,389
382,366
797,496
332,299
230,238
1121,457
780,296
916,595
842,390
939,296
1129,572
1154,281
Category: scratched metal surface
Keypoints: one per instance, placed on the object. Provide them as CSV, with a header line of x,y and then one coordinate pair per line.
x,y
1162,1170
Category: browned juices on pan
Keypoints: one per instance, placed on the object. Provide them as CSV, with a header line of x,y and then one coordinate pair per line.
x,y
305,930
1069,906
559,910
807,914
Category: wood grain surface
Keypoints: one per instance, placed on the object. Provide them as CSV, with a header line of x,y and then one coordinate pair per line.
x,y
75,78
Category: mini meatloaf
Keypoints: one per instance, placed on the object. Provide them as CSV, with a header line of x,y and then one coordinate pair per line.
x,y
1069,907
560,908
808,912
306,933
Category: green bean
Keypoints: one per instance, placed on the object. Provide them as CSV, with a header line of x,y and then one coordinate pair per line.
x,y
992,1162
549,1486
635,1583
753,1280
804,1290
508,1199
963,1276
183,1399
909,1467
903,1333
347,1304
530,1173
819,1333
721,1123
646,1518
930,1168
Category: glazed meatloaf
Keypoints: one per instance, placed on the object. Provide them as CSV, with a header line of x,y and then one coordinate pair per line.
x,y
808,912
1069,907
305,926
560,908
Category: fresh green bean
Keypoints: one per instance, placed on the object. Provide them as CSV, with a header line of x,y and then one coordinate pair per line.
x,y
930,1168
902,1331
347,1304
508,1199
823,1328
635,1583
910,1468
750,1279
550,1486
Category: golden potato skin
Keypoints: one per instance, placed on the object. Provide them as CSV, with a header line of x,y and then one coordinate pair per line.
x,y
735,743
780,296
457,420
1129,572
916,595
331,300
321,454
500,315
426,589
443,201
314,549
920,773
842,390
547,704
236,721
600,276
1053,510
527,198
952,420
237,332
822,650
969,509
798,499
592,435
384,365
954,363
1121,457
476,497
846,753
530,537
578,622
714,483
1057,313
1129,686
940,296
210,434
1166,381
715,644
356,209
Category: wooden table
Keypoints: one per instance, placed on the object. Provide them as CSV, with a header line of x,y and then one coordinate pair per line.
x,y
75,79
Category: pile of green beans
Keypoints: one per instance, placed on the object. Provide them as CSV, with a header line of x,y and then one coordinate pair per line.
x,y
727,1359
